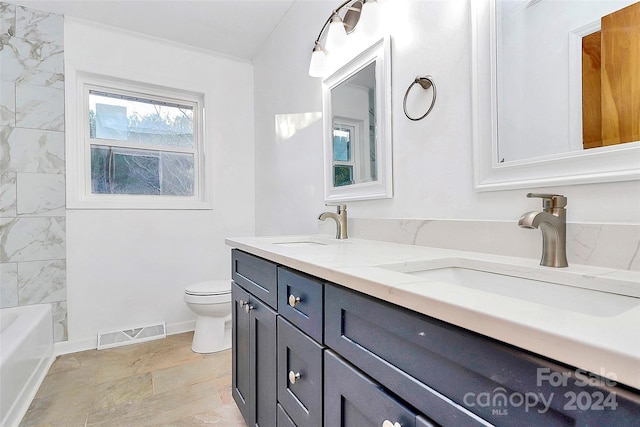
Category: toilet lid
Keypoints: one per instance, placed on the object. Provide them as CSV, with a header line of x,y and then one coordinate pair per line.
x,y
209,287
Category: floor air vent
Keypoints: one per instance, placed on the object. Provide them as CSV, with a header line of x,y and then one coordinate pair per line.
x,y
131,336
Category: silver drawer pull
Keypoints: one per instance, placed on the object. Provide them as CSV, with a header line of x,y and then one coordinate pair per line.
x,y
241,303
293,300
388,423
293,377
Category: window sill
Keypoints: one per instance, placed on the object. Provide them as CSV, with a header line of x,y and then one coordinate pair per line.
x,y
120,202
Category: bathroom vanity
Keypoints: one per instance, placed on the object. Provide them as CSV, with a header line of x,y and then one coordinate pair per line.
x,y
355,333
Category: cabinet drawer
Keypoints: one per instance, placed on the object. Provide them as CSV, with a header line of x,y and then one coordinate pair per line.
x,y
300,301
351,399
446,371
256,275
299,375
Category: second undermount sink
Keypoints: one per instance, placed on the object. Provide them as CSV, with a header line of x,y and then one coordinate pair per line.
x,y
565,297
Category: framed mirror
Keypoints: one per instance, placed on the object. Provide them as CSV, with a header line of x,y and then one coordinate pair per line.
x,y
357,127
529,97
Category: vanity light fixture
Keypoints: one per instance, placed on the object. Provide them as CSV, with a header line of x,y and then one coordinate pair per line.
x,y
338,27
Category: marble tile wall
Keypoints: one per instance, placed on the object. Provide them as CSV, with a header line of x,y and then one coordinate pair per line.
x,y
605,245
32,164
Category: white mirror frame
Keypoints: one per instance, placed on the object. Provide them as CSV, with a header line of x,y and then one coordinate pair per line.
x,y
605,164
382,188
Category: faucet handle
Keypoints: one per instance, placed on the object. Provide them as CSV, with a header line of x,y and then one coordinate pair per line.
x,y
341,207
550,201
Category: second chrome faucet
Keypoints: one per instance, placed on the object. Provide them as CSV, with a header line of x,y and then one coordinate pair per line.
x,y
340,218
552,221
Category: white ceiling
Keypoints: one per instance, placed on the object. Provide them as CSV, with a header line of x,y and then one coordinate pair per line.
x,y
233,27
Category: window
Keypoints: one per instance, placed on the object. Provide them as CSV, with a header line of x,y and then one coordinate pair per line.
x,y
344,137
141,146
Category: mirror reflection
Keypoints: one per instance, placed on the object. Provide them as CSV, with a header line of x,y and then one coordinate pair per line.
x,y
567,76
353,106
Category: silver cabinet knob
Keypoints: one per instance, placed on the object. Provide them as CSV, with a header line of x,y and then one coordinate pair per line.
x,y
293,300
293,377
388,423
246,305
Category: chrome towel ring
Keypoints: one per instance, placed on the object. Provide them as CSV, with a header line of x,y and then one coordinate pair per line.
x,y
426,82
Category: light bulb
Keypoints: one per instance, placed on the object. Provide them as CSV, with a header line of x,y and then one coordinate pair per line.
x,y
318,61
337,35
368,24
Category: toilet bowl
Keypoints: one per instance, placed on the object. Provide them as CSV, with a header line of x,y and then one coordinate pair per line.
x,y
211,301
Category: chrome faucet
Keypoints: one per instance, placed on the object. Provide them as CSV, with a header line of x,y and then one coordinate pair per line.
x,y
553,224
340,218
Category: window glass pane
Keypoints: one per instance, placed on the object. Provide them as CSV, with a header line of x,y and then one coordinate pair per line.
x,y
116,170
177,174
341,144
141,121
342,175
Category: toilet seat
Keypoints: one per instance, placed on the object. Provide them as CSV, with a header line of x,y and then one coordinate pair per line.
x,y
209,287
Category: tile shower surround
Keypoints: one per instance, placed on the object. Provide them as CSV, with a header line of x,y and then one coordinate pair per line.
x,y
32,164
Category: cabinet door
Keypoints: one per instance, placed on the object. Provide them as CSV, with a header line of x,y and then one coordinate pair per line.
x,y
299,375
240,350
351,399
253,359
263,363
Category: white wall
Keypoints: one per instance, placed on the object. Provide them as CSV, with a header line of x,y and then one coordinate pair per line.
x,y
128,267
433,169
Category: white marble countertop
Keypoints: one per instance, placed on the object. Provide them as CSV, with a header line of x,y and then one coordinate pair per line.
x,y
587,317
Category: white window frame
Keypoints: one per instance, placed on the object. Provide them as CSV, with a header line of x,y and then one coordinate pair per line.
x,y
79,188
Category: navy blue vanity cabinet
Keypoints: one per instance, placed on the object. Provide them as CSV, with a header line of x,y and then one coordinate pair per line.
x,y
352,399
299,375
253,358
458,378
308,353
256,275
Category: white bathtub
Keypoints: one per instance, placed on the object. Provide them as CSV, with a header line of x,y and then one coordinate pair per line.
x,y
26,353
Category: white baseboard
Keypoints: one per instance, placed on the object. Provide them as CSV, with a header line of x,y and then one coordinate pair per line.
x,y
67,347
181,327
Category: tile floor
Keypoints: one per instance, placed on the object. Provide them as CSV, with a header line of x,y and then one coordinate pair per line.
x,y
157,383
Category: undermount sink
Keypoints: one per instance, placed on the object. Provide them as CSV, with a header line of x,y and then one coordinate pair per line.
x,y
304,241
541,292
299,244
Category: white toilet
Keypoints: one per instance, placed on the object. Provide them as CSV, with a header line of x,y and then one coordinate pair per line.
x,y
211,301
